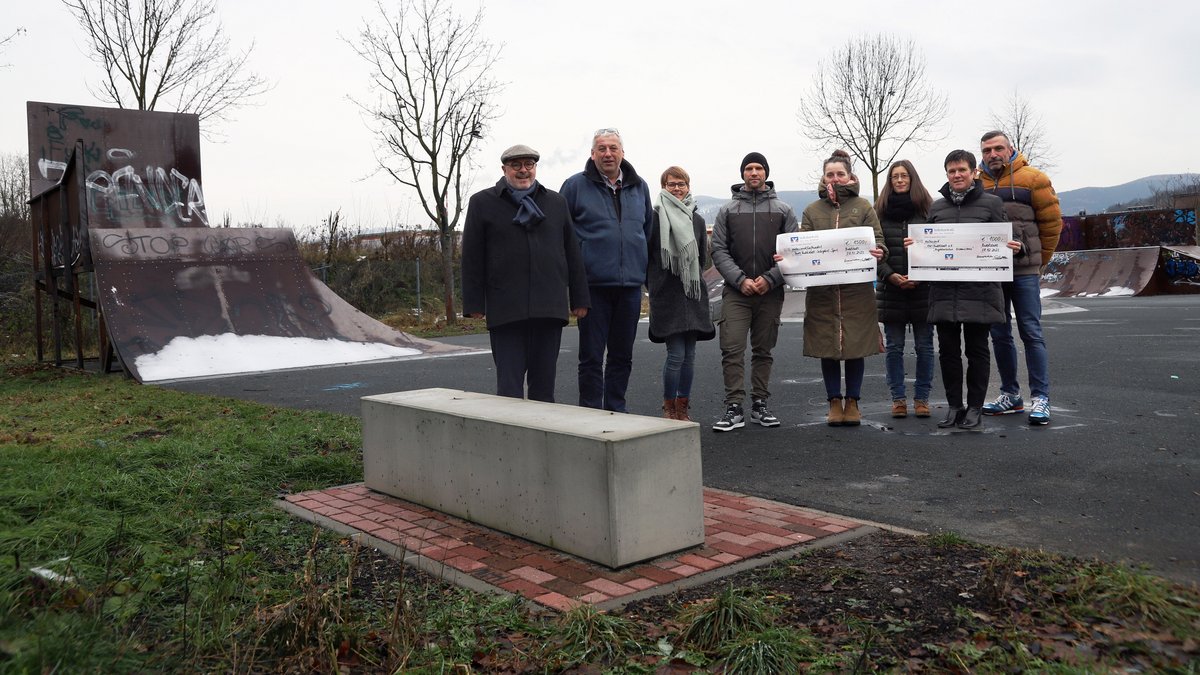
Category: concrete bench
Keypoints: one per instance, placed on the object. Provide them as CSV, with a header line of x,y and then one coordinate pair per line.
x,y
612,488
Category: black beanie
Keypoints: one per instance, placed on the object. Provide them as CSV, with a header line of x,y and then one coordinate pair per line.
x,y
755,158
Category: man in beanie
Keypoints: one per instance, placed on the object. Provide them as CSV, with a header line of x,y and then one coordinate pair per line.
x,y
743,250
610,206
522,269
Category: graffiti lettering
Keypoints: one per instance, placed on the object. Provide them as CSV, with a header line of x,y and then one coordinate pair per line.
x,y
218,245
124,193
133,245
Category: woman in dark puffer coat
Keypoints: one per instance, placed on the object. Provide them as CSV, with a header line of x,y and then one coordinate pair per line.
x,y
963,311
901,301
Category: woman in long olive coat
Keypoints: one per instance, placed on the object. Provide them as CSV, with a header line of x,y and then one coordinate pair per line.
x,y
841,323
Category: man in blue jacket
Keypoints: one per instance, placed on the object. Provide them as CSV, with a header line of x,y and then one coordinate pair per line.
x,y
610,206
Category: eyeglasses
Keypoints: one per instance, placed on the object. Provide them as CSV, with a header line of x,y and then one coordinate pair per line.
x,y
675,185
518,164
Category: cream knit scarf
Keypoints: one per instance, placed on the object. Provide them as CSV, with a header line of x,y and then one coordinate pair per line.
x,y
677,240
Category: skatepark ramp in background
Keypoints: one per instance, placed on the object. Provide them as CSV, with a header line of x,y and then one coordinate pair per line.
x,y
198,301
121,245
1114,272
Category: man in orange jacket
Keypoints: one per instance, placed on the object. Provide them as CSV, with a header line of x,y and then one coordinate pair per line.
x,y
1032,206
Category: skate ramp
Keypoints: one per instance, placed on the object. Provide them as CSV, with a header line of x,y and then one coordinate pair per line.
x,y
182,303
1110,272
1180,269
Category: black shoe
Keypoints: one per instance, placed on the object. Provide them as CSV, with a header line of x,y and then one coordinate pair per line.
x,y
972,419
954,416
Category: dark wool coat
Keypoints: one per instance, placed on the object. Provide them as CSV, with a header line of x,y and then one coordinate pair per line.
x,y
672,312
967,301
899,305
841,322
510,273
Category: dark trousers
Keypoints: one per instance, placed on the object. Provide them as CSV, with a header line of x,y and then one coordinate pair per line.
x,y
526,349
610,325
953,340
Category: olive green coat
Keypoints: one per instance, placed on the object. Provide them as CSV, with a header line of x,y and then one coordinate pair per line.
x,y
841,322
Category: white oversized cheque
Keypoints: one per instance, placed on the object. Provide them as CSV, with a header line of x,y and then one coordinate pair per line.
x,y
826,257
960,252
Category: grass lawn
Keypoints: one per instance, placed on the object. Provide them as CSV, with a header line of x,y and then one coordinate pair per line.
x,y
138,534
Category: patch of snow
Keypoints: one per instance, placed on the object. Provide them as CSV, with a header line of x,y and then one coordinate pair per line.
x,y
185,357
1116,291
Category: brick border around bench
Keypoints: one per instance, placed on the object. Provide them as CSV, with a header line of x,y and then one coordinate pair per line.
x,y
739,532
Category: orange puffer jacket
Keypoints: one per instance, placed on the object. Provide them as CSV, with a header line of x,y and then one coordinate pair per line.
x,y
1032,205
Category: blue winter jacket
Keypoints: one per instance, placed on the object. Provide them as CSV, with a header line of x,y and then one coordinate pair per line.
x,y
613,240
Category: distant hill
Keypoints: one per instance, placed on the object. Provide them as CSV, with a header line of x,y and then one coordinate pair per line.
x,y
1097,199
1090,199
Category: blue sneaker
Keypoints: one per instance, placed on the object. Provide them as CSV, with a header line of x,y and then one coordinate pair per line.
x,y
1005,404
1040,412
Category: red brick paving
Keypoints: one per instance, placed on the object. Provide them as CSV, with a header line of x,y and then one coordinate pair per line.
x,y
736,528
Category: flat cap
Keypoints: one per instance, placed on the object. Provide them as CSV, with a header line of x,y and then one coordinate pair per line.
x,y
519,152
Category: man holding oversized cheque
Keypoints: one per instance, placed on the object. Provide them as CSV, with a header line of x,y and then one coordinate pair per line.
x,y
965,299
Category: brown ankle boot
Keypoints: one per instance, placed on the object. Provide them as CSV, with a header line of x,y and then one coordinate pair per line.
x,y
681,409
669,408
837,416
900,408
922,408
853,416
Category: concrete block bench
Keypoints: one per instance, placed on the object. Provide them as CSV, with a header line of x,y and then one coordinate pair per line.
x,y
612,488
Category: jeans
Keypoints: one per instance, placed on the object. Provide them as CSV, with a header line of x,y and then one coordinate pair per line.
x,y
953,339
526,348
831,372
757,315
679,367
1022,296
610,325
894,359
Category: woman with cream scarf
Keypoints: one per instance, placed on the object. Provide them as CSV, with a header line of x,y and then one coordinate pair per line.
x,y
679,314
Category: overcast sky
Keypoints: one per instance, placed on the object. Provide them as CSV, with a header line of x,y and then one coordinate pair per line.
x,y
698,84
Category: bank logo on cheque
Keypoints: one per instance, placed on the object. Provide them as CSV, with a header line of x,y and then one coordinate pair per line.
x,y
793,239
949,256
929,230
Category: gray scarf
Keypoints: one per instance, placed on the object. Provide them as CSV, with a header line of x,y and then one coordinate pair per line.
x,y
528,213
677,240
959,197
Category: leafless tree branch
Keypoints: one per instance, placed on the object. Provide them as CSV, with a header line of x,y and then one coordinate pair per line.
x,y
7,39
871,98
430,75
1025,130
167,52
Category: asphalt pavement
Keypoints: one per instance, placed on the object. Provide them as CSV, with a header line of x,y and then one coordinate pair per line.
x,y
1116,475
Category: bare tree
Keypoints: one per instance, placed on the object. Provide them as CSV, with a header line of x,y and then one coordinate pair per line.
x,y
167,52
14,188
871,97
429,68
1023,126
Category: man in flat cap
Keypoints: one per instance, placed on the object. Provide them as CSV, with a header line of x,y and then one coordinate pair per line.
x,y
522,269
610,205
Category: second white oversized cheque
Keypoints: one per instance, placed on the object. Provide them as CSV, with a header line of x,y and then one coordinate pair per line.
x,y
827,257
960,252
